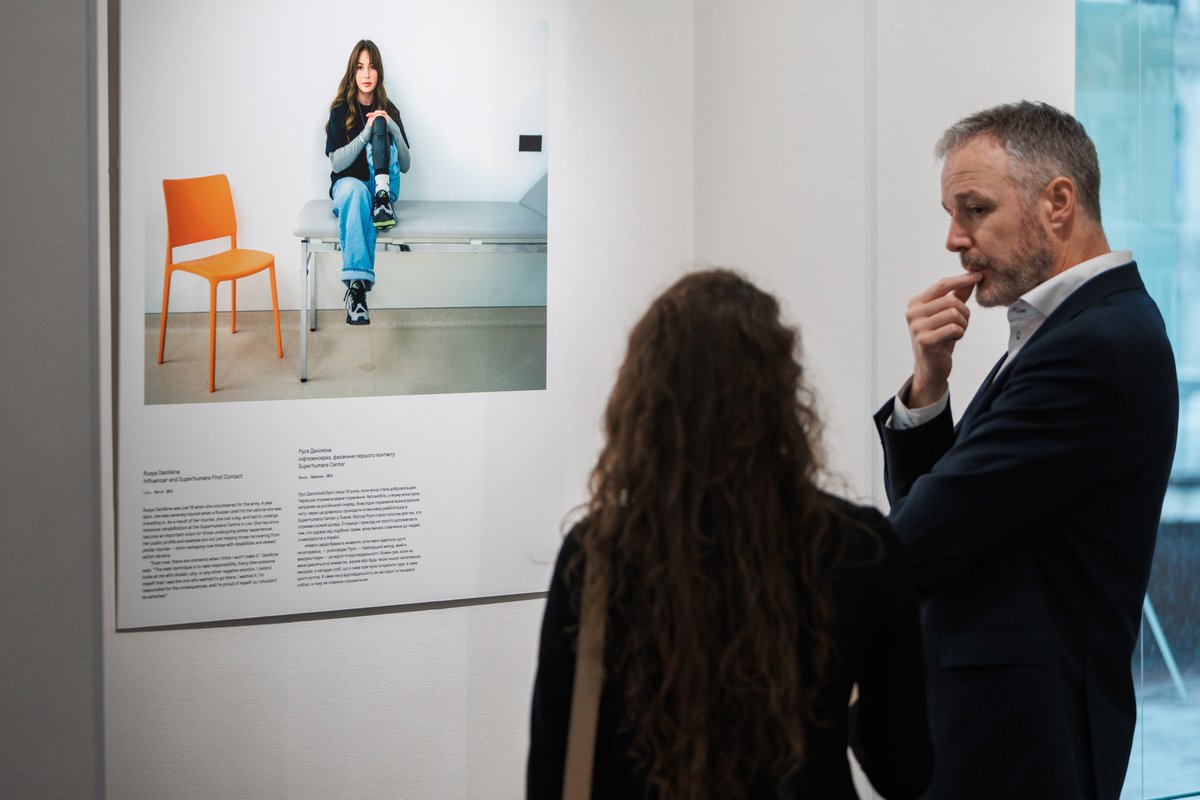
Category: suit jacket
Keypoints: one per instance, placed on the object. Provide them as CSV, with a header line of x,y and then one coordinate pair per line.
x,y
877,644
1031,526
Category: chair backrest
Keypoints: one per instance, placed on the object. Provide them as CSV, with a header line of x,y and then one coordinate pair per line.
x,y
199,209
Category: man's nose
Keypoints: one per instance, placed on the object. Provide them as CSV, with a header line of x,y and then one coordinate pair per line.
x,y
957,240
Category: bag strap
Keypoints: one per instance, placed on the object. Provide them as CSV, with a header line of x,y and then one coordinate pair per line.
x,y
585,696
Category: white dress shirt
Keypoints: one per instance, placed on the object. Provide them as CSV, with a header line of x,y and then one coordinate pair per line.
x,y
1025,316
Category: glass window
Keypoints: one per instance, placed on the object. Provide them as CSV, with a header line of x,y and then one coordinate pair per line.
x,y
1138,94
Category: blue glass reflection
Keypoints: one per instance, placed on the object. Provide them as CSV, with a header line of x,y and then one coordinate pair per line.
x,y
1138,94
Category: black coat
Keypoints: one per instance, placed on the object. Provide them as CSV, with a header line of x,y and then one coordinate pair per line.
x,y
878,646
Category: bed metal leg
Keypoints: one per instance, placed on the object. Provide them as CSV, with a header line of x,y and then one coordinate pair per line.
x,y
305,300
312,292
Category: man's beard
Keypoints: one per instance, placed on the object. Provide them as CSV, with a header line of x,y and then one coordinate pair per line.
x,y
1003,284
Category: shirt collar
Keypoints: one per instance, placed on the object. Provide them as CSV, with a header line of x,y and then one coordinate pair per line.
x,y
1049,294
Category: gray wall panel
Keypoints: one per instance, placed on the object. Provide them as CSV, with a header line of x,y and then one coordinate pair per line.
x,y
50,744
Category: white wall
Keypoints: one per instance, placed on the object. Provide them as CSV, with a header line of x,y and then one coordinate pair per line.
x,y
434,703
815,126
778,139
780,166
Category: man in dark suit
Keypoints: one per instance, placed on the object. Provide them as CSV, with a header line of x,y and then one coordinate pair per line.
x,y
1031,523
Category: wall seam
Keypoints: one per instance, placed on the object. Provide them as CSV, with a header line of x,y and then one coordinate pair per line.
x,y
95,350
871,221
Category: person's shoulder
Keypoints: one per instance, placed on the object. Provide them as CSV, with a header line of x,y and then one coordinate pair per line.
x,y
337,113
573,539
392,111
1110,324
572,543
1115,293
867,535
854,515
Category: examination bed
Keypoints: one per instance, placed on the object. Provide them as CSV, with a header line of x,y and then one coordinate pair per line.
x,y
422,226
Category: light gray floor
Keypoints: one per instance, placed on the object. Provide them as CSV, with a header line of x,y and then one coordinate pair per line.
x,y
402,351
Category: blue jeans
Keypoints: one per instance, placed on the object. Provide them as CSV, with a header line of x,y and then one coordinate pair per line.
x,y
352,207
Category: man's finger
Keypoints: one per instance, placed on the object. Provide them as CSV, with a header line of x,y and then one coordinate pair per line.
x,y
918,309
956,316
941,335
951,283
964,292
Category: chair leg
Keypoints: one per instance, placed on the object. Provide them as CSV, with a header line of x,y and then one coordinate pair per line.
x,y
275,308
162,323
233,306
212,336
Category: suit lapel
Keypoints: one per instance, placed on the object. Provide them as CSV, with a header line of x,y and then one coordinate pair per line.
x,y
1117,279
978,402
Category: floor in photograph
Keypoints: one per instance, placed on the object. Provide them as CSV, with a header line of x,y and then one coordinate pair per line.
x,y
402,351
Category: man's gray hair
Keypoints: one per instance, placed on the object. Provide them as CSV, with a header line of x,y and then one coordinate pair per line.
x,y
1044,142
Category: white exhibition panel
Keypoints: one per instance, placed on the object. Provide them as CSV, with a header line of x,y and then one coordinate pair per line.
x,y
255,509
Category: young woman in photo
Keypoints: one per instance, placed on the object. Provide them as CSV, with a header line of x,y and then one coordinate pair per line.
x,y
367,149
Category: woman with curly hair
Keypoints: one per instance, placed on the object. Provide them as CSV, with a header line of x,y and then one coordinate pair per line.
x,y
741,602
367,149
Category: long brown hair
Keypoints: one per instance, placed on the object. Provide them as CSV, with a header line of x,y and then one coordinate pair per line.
x,y
707,524
347,92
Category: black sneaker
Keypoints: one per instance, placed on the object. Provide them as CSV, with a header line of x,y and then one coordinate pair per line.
x,y
356,304
382,215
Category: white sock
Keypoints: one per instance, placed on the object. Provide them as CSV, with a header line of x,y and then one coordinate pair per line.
x,y
381,183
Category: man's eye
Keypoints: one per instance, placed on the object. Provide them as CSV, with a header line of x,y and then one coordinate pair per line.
x,y
976,211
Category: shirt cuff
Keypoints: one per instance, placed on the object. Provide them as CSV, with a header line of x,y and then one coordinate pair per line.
x,y
904,417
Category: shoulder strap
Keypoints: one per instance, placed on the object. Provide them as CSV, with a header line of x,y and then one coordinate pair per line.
x,y
585,697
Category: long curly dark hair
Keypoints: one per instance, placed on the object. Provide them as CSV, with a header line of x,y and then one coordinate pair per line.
x,y
714,540
347,92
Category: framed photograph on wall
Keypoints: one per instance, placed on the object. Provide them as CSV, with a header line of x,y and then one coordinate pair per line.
x,y
336,386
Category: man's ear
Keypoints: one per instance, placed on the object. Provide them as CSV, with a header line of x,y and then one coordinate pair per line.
x,y
1059,199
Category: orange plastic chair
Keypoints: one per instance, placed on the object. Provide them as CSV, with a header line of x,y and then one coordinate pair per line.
x,y
200,209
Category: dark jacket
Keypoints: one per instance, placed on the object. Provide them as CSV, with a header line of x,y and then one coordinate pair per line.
x,y
1031,525
878,646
